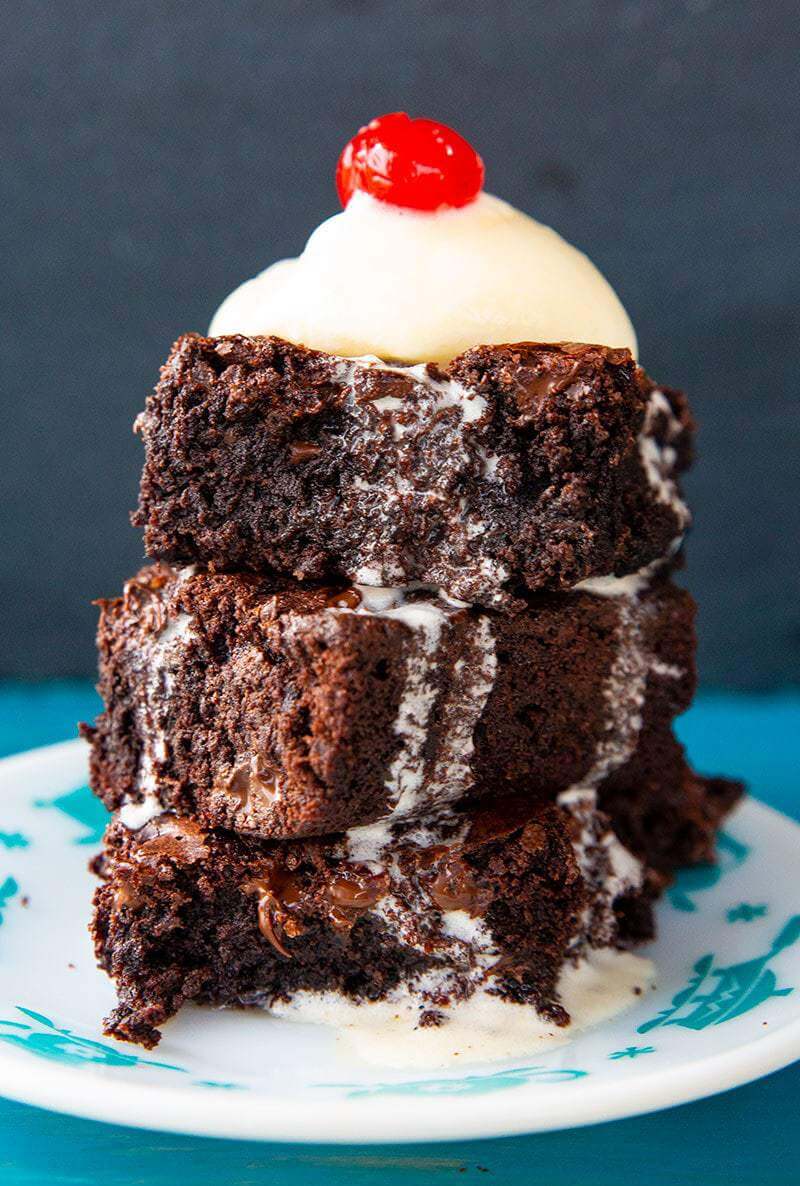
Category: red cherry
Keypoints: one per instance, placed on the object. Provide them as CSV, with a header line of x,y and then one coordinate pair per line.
x,y
410,162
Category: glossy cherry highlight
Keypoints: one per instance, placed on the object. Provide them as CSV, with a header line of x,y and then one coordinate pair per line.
x,y
415,163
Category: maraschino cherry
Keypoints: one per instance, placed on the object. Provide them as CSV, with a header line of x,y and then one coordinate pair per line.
x,y
415,163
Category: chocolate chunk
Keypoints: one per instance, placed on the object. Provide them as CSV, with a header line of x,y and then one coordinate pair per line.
x,y
358,892
345,599
301,451
173,838
371,385
453,887
255,778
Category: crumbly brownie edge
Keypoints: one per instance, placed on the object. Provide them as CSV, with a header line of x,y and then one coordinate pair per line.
x,y
293,712
187,915
521,466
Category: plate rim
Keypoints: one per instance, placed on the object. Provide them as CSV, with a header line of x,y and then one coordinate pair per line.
x,y
237,1117
88,1093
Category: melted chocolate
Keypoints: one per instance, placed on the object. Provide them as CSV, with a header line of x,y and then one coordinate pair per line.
x,y
371,385
358,892
174,838
254,779
301,451
345,599
279,892
542,382
453,886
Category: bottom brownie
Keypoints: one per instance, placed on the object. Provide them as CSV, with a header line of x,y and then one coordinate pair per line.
x,y
492,900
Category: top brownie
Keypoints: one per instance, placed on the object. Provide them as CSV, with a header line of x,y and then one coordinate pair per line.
x,y
518,467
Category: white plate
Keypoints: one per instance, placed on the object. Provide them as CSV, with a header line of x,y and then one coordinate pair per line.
x,y
725,1010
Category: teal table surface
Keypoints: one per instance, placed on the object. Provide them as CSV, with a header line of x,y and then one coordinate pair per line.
x,y
751,1135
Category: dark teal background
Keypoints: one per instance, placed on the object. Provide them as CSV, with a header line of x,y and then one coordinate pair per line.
x,y
747,1137
157,153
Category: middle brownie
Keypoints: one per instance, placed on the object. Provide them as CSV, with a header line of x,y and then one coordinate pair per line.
x,y
283,710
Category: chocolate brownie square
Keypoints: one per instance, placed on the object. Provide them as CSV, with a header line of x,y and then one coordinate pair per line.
x,y
268,707
519,467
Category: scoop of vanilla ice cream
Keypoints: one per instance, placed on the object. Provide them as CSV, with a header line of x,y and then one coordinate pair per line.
x,y
421,287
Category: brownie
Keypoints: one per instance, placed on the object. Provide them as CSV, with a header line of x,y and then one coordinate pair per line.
x,y
495,899
390,718
264,706
661,809
525,466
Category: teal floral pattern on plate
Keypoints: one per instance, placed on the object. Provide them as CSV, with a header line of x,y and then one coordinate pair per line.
x,y
737,989
46,1040
8,890
731,854
13,840
746,912
632,1052
467,1085
82,807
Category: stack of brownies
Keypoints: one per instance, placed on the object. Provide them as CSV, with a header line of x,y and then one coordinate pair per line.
x,y
389,718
